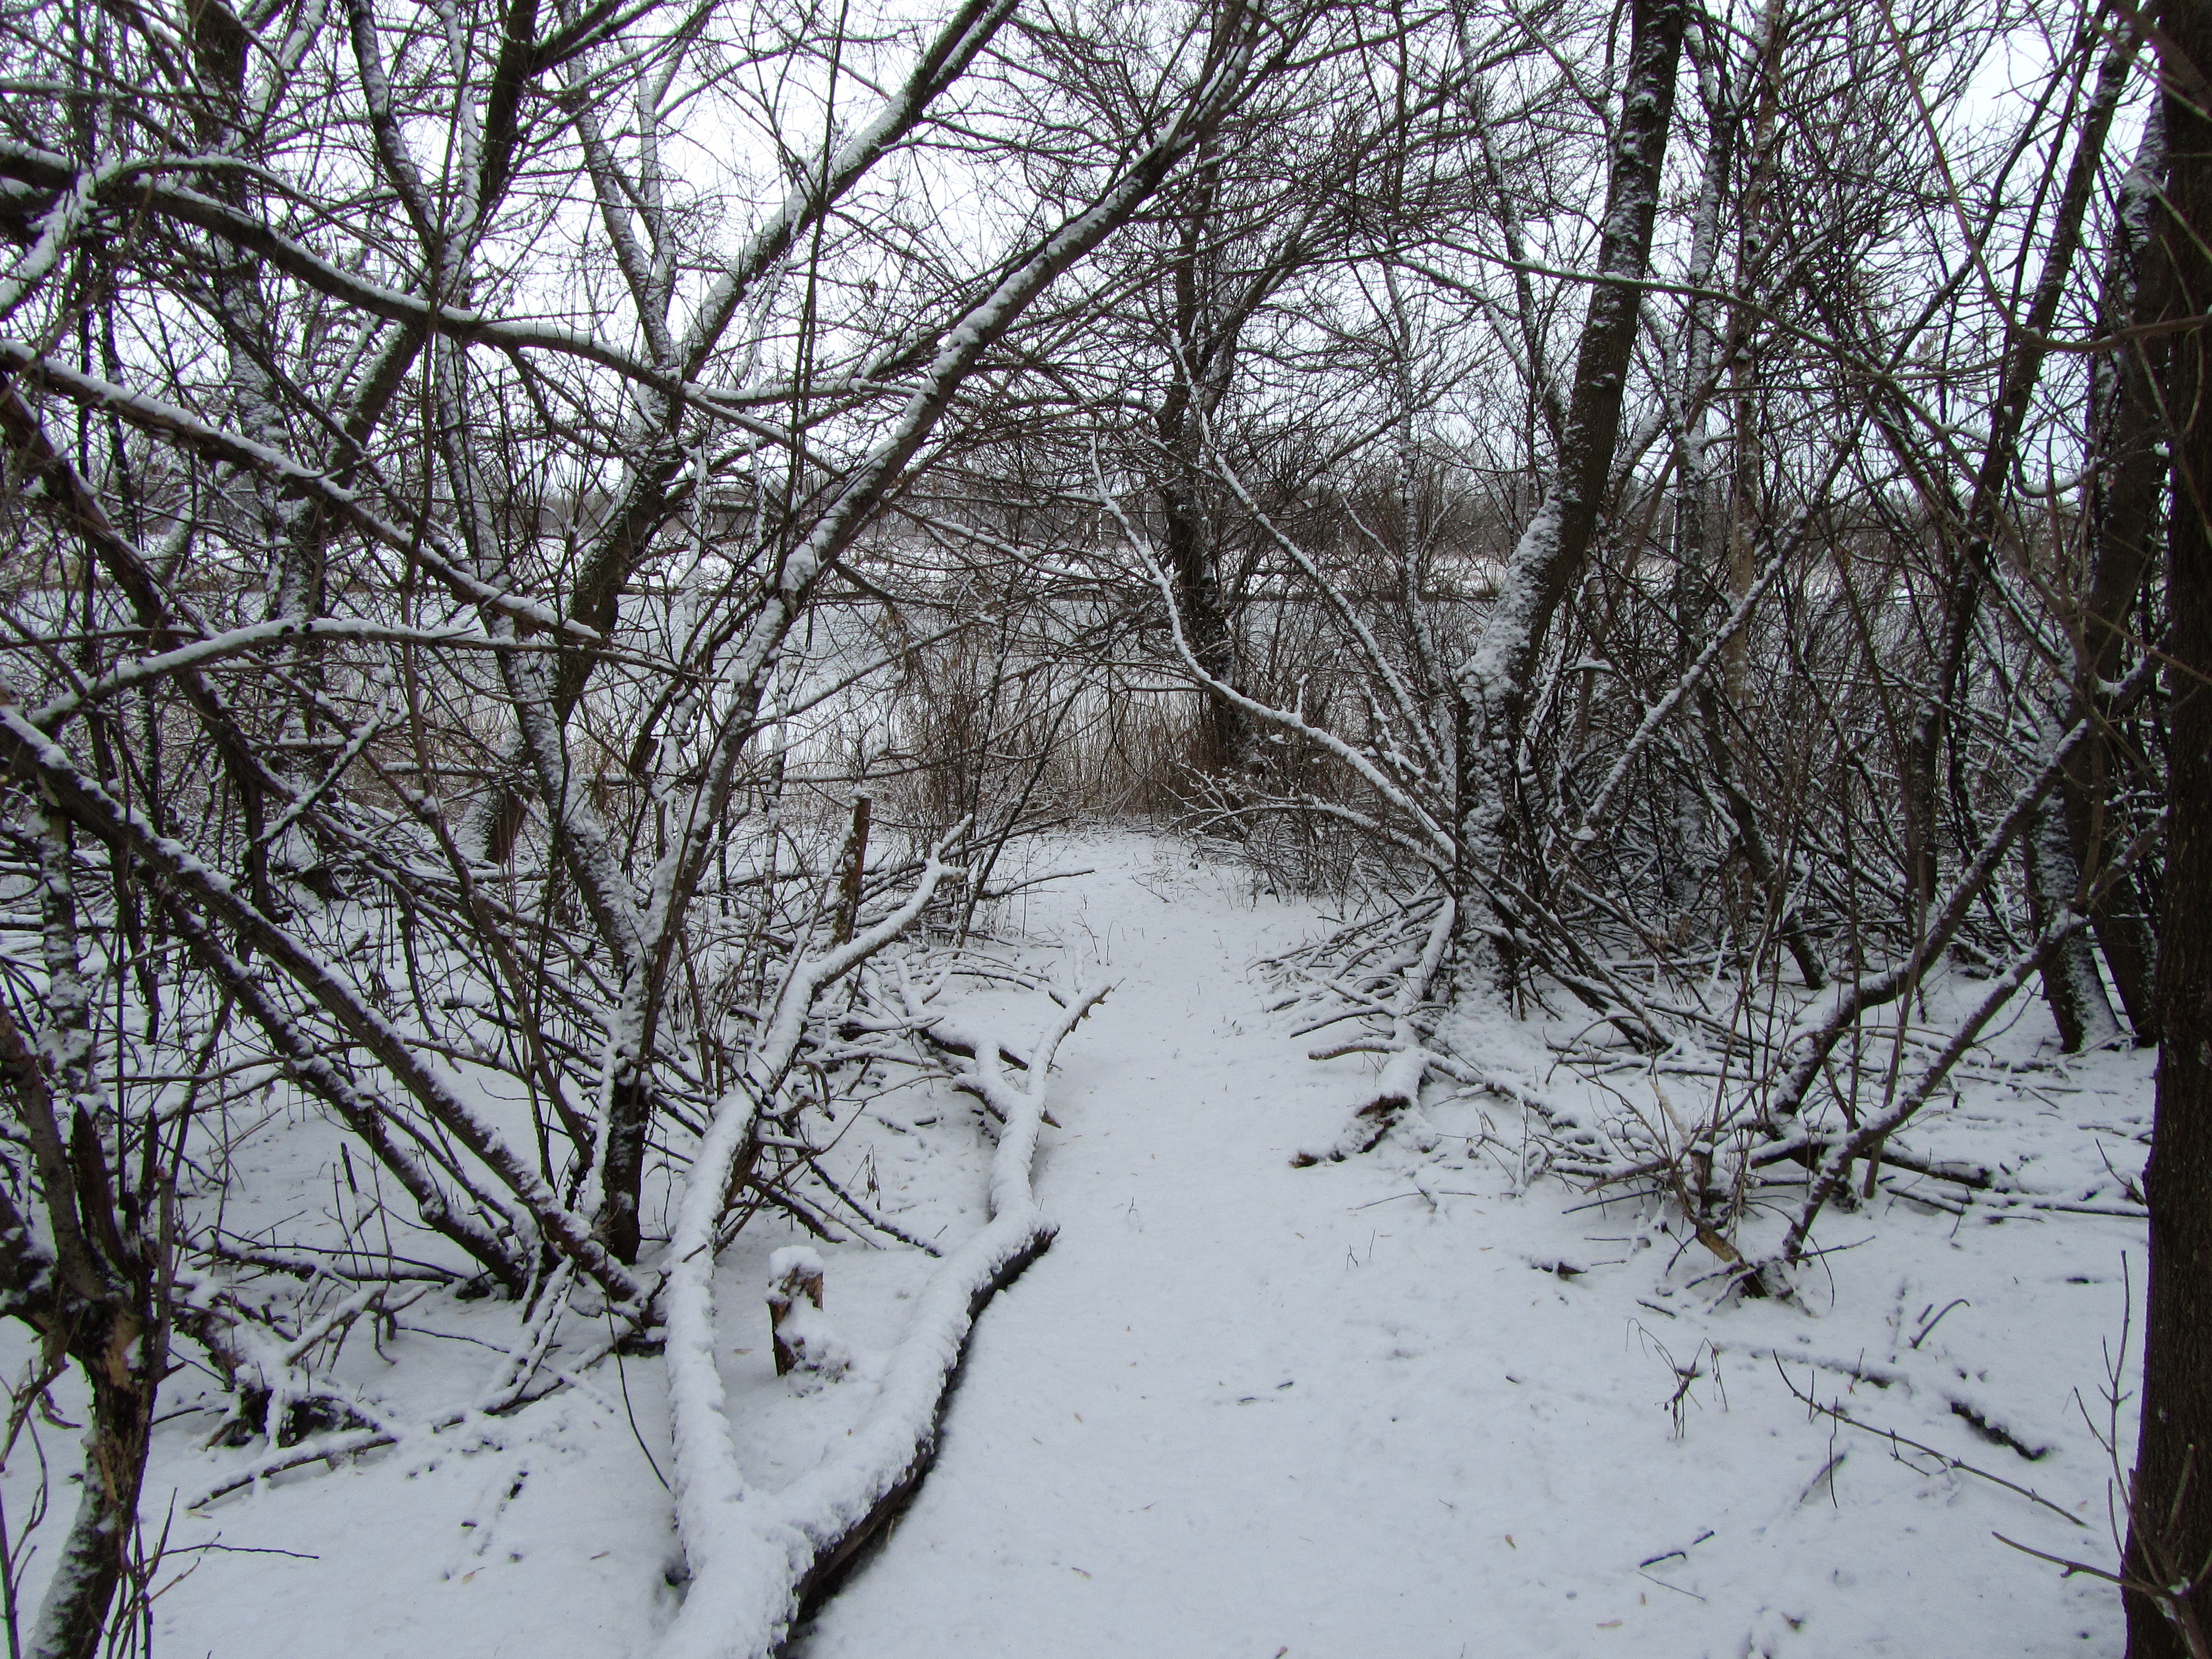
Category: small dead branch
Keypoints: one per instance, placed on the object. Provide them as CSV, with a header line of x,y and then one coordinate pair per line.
x,y
1408,1061
1837,1413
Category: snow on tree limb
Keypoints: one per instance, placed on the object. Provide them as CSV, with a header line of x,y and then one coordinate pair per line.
x,y
752,1555
1407,1061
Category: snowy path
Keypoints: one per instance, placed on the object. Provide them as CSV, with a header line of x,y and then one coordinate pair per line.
x,y
1147,1388
1244,1410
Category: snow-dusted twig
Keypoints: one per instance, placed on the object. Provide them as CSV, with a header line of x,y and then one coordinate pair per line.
x,y
1408,1059
1824,1023
375,1429
1867,1138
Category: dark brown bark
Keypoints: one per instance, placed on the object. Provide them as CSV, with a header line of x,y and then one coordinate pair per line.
x,y
1500,678
2127,486
2171,1536
798,1284
1203,349
1214,288
629,1113
95,1555
1221,733
98,1301
855,862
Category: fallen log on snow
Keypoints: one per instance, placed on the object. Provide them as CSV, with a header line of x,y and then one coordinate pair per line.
x,y
758,1560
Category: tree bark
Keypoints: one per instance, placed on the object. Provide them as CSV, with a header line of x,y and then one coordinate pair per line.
x,y
2127,482
95,1555
1201,352
2170,1536
98,1295
1499,677
2072,987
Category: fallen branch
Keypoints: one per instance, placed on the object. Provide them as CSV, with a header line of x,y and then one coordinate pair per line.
x,y
759,1561
1839,1414
1409,1061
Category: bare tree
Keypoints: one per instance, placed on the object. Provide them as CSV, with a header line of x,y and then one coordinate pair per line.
x,y
436,612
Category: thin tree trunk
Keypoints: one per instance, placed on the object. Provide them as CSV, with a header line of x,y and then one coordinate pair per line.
x,y
1221,733
1499,677
2072,986
94,1298
74,1616
1192,561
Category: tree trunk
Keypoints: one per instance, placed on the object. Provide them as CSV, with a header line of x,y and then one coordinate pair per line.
x,y
629,1117
2127,480
1200,341
1221,734
99,1296
1499,678
2171,1511
2072,986
95,1555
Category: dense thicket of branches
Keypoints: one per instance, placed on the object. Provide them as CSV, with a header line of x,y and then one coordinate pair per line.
x,y
1677,511
1670,504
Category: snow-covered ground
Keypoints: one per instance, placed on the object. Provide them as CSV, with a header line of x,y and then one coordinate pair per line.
x,y
1243,1409
1401,1406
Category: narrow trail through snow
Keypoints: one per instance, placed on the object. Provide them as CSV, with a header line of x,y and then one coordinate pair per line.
x,y
1241,1411
1219,1417
1140,1451
1244,1410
